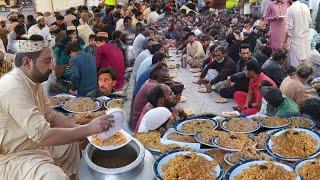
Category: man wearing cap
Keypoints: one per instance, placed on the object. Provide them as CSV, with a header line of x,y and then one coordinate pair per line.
x,y
57,33
40,29
36,141
158,96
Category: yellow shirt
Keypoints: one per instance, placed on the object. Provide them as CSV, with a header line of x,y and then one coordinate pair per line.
x,y
110,2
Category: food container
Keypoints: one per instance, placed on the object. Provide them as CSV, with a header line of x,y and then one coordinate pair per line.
x,y
131,161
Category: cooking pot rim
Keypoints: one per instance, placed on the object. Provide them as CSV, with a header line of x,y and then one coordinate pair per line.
x,y
111,171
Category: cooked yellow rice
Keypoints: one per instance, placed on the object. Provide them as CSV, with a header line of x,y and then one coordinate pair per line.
x,y
310,170
208,135
64,98
181,138
115,103
241,125
54,101
152,141
85,117
261,139
115,140
300,122
246,154
275,121
234,158
189,167
268,171
294,144
80,104
197,125
252,153
235,141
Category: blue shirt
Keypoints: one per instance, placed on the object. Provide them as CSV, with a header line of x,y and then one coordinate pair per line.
x,y
142,79
83,73
143,66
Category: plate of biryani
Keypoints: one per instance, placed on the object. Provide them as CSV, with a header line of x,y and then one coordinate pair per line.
x,y
55,102
261,169
308,169
293,144
174,136
274,122
240,125
302,122
177,165
81,105
233,141
114,103
83,118
116,141
64,97
205,137
192,126
261,138
152,141
245,154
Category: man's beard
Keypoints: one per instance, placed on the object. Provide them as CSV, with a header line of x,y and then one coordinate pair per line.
x,y
38,77
168,104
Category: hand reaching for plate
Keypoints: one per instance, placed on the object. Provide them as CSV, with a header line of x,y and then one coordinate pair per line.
x,y
101,124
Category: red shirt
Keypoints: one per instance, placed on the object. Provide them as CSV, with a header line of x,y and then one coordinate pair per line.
x,y
109,55
141,99
146,108
254,86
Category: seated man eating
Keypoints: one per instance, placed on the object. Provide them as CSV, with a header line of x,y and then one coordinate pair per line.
x,y
250,103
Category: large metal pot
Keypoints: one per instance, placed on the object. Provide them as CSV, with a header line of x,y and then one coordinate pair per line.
x,y
140,168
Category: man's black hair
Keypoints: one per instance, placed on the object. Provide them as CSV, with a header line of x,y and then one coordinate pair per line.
x,y
254,66
157,57
154,94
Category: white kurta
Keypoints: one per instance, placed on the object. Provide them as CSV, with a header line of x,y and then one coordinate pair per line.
x,y
44,32
314,6
298,20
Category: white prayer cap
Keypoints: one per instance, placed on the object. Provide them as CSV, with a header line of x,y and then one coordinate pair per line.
x,y
69,28
23,46
156,117
2,19
38,18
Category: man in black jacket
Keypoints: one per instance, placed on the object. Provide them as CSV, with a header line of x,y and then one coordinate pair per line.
x,y
274,67
223,65
238,81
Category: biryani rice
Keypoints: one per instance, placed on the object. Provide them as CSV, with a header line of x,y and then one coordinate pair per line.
x,y
294,144
196,125
268,171
189,167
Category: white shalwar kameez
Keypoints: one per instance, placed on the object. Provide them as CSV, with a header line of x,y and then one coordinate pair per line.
x,y
298,21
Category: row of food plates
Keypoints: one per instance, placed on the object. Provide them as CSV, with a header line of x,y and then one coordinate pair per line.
x,y
165,167
73,104
309,137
